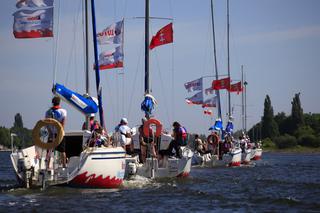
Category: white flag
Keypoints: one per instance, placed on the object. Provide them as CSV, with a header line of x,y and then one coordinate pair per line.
x,y
210,102
113,34
111,59
194,85
33,19
195,99
209,91
34,3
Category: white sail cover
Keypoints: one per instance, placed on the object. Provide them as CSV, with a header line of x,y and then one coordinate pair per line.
x,y
33,19
113,34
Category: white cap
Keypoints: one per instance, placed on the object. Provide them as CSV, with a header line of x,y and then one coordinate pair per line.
x,y
92,115
124,120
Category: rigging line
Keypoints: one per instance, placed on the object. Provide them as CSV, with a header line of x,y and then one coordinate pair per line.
x,y
172,70
73,56
135,76
55,61
172,84
125,8
114,10
83,23
162,87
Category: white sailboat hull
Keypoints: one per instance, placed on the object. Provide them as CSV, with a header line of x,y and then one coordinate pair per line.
x,y
160,168
256,154
233,158
246,156
95,167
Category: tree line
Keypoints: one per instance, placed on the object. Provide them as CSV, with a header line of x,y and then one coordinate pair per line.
x,y
22,136
286,131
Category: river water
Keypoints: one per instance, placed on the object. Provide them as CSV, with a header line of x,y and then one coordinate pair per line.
x,y
277,183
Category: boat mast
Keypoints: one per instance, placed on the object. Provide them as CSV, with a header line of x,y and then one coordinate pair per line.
x,y
96,62
242,102
146,41
86,56
215,58
228,50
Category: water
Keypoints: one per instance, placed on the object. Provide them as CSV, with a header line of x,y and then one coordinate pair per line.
x,y
278,183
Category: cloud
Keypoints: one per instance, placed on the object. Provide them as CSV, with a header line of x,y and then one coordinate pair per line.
x,y
283,35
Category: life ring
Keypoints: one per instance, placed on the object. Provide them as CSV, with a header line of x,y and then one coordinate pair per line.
x,y
213,139
147,124
47,122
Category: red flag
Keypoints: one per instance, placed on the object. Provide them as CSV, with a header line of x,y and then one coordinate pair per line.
x,y
163,36
236,87
221,84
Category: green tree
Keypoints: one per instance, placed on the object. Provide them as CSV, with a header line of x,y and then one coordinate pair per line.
x,y
18,121
313,120
269,126
24,135
5,137
297,119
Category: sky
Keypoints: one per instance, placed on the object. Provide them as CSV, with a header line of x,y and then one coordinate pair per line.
x,y
276,41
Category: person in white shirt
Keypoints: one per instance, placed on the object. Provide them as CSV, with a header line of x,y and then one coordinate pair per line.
x,y
59,114
125,135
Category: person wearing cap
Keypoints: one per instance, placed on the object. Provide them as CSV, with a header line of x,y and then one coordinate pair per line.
x,y
59,114
125,138
92,123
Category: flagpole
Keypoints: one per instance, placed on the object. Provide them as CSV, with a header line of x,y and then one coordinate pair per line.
x,y
215,58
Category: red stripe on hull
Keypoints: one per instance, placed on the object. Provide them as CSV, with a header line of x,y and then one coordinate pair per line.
x,y
256,157
235,163
183,174
83,180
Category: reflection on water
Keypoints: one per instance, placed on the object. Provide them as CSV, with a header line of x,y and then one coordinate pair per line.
x,y
279,182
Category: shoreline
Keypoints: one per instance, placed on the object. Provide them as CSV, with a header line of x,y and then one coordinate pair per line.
x,y
294,150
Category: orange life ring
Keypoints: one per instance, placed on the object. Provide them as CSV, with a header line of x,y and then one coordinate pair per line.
x,y
47,122
147,124
214,138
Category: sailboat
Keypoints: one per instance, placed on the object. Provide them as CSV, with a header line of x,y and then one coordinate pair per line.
x,y
154,167
94,167
225,150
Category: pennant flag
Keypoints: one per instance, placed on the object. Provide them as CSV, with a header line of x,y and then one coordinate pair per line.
x,y
194,85
210,102
207,112
113,34
208,91
33,19
196,99
221,84
111,59
163,36
237,87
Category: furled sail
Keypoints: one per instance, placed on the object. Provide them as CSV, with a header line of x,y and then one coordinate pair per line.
x,y
84,104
